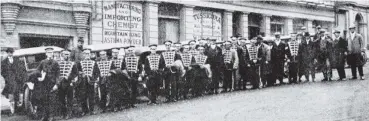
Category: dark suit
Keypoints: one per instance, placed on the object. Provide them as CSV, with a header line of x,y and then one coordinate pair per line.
x,y
265,65
47,97
307,52
278,55
215,61
14,75
324,58
338,56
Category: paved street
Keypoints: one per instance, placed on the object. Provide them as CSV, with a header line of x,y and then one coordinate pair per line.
x,y
338,100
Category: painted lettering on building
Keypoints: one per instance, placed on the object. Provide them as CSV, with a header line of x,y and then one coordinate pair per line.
x,y
122,23
208,24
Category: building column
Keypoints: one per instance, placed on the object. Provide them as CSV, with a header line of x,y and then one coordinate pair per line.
x,y
186,23
244,24
309,27
265,27
81,14
288,25
9,15
151,23
227,25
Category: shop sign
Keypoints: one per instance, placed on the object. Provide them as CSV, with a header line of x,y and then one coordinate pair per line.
x,y
122,23
207,24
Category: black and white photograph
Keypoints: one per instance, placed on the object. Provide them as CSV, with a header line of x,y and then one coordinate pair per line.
x,y
184,60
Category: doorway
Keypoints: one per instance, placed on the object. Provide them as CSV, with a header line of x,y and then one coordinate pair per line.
x,y
168,30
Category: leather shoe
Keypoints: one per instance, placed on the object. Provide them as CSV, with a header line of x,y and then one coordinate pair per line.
x,y
362,78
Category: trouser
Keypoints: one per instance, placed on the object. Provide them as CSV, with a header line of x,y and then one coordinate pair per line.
x,y
216,77
48,104
254,76
86,98
104,96
227,82
245,77
184,84
310,70
267,79
278,71
171,85
354,61
353,70
341,71
153,86
292,73
134,83
66,99
200,81
325,67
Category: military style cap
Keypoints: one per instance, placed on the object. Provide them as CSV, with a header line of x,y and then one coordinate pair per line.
x,y
322,30
352,27
102,52
87,50
277,33
243,38
115,50
191,41
228,42
49,49
318,27
153,45
336,31
9,50
168,41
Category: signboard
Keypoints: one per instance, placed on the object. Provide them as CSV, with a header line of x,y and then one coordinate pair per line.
x,y
122,23
207,24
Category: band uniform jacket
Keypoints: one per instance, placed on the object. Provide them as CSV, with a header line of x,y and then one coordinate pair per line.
x,y
68,71
133,65
105,66
14,74
90,71
230,59
51,67
339,49
152,65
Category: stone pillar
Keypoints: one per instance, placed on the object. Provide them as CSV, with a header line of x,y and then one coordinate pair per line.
x,y
151,23
265,27
81,13
309,27
244,24
186,23
227,25
288,26
9,15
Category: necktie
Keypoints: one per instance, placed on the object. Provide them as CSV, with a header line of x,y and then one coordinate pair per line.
x,y
11,60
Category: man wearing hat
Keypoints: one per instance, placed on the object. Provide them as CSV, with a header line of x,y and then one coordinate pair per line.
x,y
132,64
77,52
323,57
193,45
87,82
317,32
293,47
152,65
230,64
278,54
68,71
356,48
14,72
104,66
57,55
118,62
171,71
339,54
48,85
244,59
214,54
307,58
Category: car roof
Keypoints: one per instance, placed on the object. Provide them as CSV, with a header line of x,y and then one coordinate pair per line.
x,y
100,47
34,50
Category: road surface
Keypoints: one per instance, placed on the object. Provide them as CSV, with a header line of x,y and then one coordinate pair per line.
x,y
313,101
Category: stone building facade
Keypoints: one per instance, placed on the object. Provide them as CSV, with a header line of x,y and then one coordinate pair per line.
x,y
61,23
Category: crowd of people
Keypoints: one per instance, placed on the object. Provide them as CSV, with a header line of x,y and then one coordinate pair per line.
x,y
206,66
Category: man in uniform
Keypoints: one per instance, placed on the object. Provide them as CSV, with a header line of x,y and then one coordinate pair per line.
x,y
193,45
253,63
214,54
202,72
151,67
230,64
68,72
87,82
339,54
324,51
171,72
48,84
244,59
133,65
356,50
307,58
104,66
293,46
279,51
185,83
14,72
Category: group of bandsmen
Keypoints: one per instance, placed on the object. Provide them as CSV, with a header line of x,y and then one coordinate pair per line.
x,y
193,69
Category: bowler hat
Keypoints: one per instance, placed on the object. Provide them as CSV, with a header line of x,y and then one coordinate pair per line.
x,y
9,50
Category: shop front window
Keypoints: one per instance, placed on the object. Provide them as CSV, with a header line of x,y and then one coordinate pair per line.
x,y
298,24
277,25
